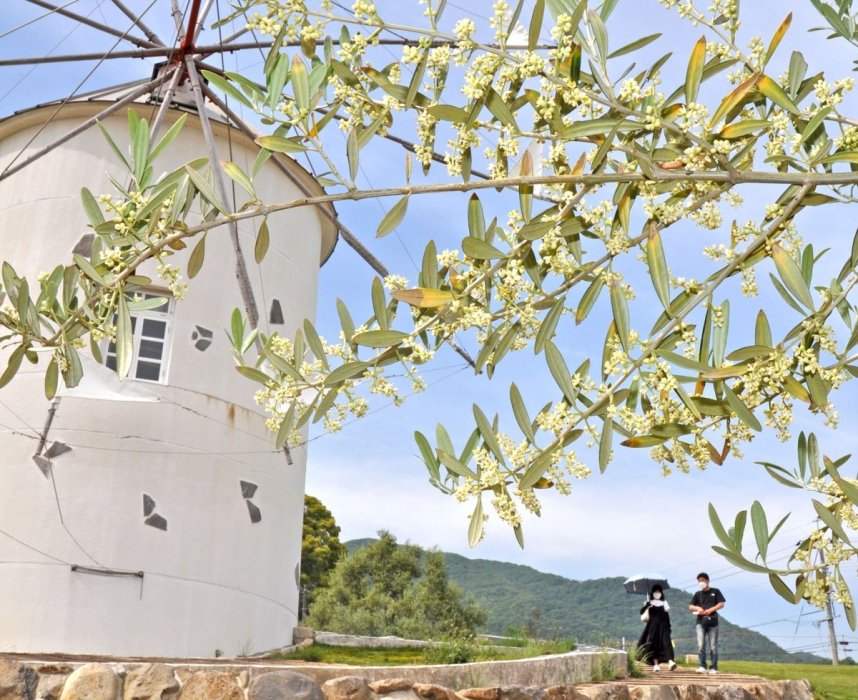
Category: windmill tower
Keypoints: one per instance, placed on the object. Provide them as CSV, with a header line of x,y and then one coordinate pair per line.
x,y
151,516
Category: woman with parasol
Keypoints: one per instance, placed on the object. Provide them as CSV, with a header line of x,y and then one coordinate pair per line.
x,y
655,642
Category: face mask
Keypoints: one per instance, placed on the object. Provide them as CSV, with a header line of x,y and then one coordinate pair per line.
x,y
657,596
702,585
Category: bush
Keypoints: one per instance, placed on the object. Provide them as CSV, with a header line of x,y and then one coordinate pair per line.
x,y
453,651
603,668
390,589
635,662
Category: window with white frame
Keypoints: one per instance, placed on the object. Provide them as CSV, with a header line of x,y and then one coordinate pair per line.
x,y
150,340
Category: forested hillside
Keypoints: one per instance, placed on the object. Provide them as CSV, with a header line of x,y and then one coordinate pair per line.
x,y
596,611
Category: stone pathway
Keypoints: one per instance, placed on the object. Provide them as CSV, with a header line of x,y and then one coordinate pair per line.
x,y
688,676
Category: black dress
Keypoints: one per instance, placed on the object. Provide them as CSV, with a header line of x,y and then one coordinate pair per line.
x,y
655,643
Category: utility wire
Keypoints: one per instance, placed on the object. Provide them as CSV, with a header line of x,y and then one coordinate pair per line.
x,y
66,527
36,19
32,548
67,99
51,51
23,422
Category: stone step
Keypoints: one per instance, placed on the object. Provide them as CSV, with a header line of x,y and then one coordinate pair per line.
x,y
684,676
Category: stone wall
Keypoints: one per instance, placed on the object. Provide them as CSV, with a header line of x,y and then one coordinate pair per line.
x,y
159,681
335,639
573,667
306,635
557,669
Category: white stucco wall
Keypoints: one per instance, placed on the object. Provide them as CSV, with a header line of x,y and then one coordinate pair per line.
x,y
213,580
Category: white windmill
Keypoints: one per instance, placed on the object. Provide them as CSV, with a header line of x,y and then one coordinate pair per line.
x,y
152,516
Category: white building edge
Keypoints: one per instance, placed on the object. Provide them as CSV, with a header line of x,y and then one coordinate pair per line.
x,y
171,527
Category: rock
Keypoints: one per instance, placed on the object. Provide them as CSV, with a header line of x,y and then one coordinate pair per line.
x,y
54,669
430,691
348,688
563,692
243,678
606,691
149,682
692,692
481,693
17,681
284,685
92,682
391,685
211,686
183,673
764,692
730,692
796,690
50,686
301,634
516,692
653,692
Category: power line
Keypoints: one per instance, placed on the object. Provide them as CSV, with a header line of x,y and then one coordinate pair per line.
x,y
36,19
32,548
16,415
66,100
66,527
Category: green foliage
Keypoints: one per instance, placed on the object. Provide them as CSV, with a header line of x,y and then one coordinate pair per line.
x,y
635,663
457,648
657,158
603,668
816,564
321,548
828,683
390,589
354,656
310,653
460,648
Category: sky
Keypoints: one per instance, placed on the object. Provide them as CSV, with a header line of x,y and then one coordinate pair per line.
x,y
628,520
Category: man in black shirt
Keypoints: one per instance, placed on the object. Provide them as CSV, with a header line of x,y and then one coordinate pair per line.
x,y
705,604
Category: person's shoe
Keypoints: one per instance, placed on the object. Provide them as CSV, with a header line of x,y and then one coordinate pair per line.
x,y
656,668
713,671
671,665
701,669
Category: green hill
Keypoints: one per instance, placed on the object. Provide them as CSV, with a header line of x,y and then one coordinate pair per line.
x,y
597,611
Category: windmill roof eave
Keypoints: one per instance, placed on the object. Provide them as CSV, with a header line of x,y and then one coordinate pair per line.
x,y
89,104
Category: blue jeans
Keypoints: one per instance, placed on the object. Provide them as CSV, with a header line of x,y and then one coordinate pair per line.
x,y
710,633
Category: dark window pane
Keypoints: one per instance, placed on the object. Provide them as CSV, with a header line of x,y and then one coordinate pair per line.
x,y
148,370
149,331
153,328
152,349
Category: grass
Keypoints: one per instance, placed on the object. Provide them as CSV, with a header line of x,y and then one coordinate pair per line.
x,y
603,669
829,682
635,662
354,656
374,656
